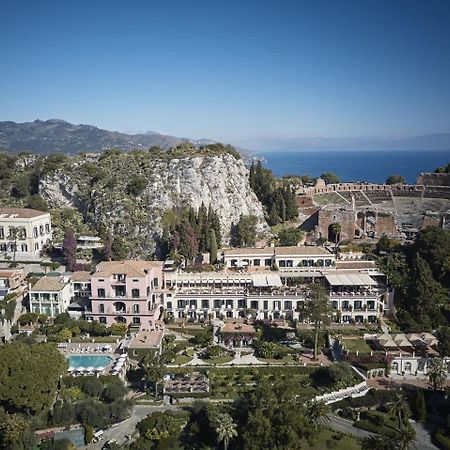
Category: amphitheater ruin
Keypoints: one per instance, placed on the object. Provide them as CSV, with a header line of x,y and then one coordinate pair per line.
x,y
367,211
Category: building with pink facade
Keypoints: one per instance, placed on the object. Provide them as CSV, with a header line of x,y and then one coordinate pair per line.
x,y
128,292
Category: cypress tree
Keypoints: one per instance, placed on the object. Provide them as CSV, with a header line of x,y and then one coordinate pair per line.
x,y
213,246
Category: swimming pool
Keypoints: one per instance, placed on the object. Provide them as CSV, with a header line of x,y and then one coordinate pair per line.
x,y
84,361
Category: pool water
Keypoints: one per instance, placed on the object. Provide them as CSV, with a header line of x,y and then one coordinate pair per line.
x,y
77,361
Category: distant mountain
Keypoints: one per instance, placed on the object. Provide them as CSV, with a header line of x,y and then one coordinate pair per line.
x,y
426,142
54,135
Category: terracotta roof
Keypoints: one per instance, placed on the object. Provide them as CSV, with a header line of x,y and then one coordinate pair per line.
x,y
49,284
20,213
279,251
238,328
7,273
147,339
135,268
81,276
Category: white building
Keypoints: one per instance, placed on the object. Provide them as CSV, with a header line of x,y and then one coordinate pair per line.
x,y
358,296
25,230
296,256
51,295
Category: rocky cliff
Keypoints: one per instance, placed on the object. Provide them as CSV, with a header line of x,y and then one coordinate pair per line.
x,y
129,192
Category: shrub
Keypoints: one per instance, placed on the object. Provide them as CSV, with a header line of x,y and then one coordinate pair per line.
x,y
442,439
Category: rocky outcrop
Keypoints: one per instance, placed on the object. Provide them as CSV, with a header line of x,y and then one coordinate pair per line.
x,y
100,189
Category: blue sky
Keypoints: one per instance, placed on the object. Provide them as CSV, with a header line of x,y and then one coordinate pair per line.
x,y
236,71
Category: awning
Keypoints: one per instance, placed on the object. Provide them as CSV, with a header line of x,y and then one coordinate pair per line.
x,y
350,279
266,280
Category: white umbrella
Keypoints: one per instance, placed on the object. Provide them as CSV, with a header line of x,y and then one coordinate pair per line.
x,y
81,369
71,369
90,369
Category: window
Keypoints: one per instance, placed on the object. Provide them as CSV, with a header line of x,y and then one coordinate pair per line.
x,y
256,262
268,262
241,303
135,281
101,308
102,319
282,263
217,304
266,304
277,304
47,228
229,304
287,304
155,282
35,232
205,304
2,233
36,246
24,247
136,309
181,303
41,230
2,247
101,293
135,293
22,233
289,263
254,304
136,320
169,305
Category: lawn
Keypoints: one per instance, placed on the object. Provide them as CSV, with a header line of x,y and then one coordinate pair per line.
x,y
218,360
194,331
357,344
181,359
331,439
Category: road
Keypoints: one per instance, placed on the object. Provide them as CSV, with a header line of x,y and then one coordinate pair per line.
x,y
128,426
422,441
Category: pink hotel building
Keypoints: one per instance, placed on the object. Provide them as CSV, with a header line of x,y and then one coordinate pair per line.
x,y
127,292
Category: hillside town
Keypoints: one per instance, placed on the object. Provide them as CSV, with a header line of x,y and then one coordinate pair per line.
x,y
169,331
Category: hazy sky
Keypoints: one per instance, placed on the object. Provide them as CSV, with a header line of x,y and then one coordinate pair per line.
x,y
235,71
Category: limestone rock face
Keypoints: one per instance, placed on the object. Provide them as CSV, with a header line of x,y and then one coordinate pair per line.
x,y
100,190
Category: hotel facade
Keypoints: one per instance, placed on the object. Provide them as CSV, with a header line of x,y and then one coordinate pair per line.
x,y
26,231
127,292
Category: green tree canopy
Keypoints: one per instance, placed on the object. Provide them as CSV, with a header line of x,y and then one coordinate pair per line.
x,y
29,375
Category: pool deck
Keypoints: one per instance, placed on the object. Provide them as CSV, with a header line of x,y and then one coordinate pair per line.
x,y
93,349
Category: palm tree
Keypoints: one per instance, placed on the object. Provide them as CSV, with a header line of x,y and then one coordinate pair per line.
x,y
405,437
318,413
437,373
226,429
336,229
399,407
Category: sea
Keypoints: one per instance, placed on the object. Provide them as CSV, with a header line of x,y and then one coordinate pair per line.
x,y
372,166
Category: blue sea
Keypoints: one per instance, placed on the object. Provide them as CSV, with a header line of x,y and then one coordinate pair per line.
x,y
365,165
